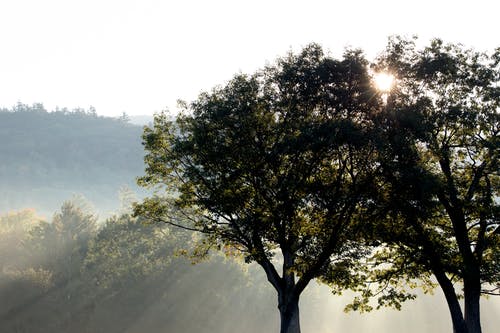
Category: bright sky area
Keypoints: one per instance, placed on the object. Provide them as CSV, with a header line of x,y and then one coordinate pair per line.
x,y
140,56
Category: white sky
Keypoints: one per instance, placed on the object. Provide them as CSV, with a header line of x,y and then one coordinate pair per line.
x,y
140,56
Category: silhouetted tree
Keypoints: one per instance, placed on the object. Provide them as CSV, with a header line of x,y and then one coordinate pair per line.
x,y
440,182
273,163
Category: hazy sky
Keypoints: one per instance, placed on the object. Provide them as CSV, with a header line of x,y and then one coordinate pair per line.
x,y
140,56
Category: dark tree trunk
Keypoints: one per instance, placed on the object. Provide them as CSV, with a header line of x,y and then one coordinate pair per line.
x,y
472,295
288,292
289,314
288,297
471,277
459,325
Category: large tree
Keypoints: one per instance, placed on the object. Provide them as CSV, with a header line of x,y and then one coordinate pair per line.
x,y
275,165
439,190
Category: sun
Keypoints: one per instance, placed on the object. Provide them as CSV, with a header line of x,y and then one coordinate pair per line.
x,y
383,81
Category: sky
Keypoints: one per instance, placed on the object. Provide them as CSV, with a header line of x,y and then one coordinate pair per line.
x,y
141,56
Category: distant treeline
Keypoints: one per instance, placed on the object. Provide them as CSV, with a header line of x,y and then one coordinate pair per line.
x,y
49,156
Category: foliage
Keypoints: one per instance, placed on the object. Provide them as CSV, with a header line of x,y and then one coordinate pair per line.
x,y
127,278
125,250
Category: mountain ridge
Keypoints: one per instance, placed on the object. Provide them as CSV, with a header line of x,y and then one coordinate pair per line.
x,y
51,156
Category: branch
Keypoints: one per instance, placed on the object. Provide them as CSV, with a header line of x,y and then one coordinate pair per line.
x,y
158,219
444,162
475,182
493,292
325,254
272,275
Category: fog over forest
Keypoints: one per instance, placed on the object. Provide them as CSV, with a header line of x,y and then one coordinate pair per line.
x,y
48,157
73,259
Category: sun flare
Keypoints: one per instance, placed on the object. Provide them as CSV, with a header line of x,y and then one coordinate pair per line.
x,y
383,81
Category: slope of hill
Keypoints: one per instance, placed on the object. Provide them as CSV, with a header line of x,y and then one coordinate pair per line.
x,y
49,156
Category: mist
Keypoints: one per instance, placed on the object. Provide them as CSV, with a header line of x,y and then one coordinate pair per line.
x,y
124,276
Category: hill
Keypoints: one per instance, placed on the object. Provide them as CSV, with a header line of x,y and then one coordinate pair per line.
x,y
49,156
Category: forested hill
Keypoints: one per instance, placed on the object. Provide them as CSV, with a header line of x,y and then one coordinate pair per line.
x,y
47,157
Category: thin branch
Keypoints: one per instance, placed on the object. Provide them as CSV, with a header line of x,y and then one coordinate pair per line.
x,y
493,292
158,219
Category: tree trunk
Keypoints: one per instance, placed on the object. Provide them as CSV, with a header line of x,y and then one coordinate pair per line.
x,y
289,315
288,292
472,295
459,325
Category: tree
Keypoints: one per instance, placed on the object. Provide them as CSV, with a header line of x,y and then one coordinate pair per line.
x,y
124,118
440,181
273,163
20,284
61,246
67,236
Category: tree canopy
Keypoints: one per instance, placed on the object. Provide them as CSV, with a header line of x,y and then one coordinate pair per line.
x,y
439,183
307,159
278,162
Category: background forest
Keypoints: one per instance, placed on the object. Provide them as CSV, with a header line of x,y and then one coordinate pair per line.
x,y
47,157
